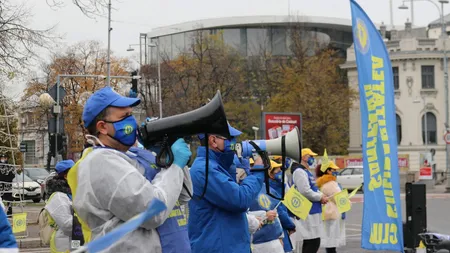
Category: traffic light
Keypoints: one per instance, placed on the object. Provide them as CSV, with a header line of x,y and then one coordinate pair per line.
x,y
134,84
61,141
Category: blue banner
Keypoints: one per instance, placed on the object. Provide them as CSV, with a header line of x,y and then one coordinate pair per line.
x,y
382,227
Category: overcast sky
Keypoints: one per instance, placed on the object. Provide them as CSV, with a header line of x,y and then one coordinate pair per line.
x,y
132,17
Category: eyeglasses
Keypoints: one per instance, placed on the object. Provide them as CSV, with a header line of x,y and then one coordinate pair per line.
x,y
220,137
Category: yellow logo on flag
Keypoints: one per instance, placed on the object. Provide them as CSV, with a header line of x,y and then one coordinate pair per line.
x,y
362,37
19,222
264,201
342,201
297,203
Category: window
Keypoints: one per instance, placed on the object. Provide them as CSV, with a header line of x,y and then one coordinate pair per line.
x,y
346,172
258,41
279,41
396,79
30,155
357,171
178,44
431,128
427,77
399,128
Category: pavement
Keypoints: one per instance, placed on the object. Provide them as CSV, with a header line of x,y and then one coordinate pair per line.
x,y
438,204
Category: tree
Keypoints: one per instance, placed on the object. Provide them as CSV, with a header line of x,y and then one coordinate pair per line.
x,y
193,77
85,58
89,8
9,131
19,43
312,85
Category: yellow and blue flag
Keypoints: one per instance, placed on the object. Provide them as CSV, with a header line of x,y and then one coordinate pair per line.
x,y
19,222
156,206
342,201
297,203
382,227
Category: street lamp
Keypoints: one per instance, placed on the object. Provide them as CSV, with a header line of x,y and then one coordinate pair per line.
x,y
156,44
256,132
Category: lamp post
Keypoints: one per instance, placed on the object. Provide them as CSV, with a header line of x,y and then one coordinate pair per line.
x,y
256,132
130,49
108,60
155,44
444,38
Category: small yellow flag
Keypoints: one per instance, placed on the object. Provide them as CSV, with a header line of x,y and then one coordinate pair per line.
x,y
342,201
353,193
19,222
323,212
297,203
421,245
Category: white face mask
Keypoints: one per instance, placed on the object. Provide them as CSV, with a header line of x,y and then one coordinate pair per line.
x,y
93,140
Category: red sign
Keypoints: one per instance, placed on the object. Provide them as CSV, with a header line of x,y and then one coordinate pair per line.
x,y
279,124
426,173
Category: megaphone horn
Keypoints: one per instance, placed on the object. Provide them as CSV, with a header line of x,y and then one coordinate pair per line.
x,y
209,119
292,145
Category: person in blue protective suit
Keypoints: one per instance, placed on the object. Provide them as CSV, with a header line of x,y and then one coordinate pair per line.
x,y
217,216
173,232
309,230
8,242
276,183
107,185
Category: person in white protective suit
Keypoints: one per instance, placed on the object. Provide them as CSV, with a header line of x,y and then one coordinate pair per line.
x,y
59,208
108,189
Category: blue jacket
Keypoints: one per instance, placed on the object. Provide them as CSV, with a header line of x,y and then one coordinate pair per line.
x,y
283,213
173,232
218,222
7,239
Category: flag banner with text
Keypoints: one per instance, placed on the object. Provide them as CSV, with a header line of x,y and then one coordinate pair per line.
x,y
382,227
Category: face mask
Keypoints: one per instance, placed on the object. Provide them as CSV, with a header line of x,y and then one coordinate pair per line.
x,y
279,177
334,173
226,160
311,161
229,145
126,131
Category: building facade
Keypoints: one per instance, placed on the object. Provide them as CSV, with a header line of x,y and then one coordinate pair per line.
x,y
248,34
418,71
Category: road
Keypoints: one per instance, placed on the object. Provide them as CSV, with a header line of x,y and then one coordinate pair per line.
x,y
438,206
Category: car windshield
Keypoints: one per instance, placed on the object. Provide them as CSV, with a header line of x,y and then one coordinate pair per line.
x,y
18,178
37,172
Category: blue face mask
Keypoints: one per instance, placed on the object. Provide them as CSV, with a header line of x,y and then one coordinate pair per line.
x,y
279,177
311,161
226,160
229,144
334,173
126,131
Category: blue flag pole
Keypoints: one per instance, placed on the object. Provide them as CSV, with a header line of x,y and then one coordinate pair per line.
x,y
156,206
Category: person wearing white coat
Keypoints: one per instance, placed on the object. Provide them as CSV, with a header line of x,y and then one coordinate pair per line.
x,y
334,222
309,230
59,208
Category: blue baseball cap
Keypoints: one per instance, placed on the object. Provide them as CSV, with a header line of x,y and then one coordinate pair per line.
x,y
64,166
233,132
102,99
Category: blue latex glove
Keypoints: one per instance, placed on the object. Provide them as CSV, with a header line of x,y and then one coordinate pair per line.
x,y
181,153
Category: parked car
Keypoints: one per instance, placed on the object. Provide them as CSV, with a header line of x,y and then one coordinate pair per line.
x,y
351,178
27,188
37,174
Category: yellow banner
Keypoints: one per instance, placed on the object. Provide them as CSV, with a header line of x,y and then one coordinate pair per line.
x,y
342,201
297,203
19,222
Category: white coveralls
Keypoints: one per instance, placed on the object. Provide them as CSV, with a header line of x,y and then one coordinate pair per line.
x,y
273,246
59,207
312,227
112,189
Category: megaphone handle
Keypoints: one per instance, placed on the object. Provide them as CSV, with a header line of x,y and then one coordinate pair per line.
x,y
165,148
